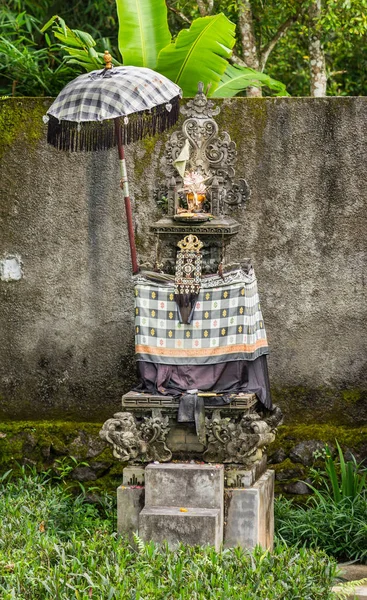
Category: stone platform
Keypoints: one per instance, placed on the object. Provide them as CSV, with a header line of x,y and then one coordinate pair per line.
x,y
190,503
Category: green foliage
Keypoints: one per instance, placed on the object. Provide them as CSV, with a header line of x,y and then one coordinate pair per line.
x,y
346,590
340,480
25,67
343,28
236,78
53,545
79,45
143,31
335,519
199,54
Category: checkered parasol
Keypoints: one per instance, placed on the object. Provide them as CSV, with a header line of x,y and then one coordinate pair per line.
x,y
112,107
80,117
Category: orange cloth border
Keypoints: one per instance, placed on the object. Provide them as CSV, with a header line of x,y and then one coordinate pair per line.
x,y
192,352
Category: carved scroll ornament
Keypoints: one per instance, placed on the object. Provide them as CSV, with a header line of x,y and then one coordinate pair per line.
x,y
243,442
212,153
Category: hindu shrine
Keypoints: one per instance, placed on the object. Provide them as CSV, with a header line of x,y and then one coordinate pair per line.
x,y
193,434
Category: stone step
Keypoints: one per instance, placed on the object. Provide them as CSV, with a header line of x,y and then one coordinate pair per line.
x,y
192,525
184,485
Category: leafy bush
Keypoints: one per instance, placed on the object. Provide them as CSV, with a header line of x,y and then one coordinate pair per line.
x,y
26,65
55,546
340,529
341,479
335,519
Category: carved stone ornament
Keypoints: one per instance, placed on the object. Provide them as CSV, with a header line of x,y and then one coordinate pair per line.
x,y
211,153
240,442
234,435
137,442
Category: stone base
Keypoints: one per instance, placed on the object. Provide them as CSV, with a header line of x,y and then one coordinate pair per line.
x,y
192,526
184,484
249,514
130,502
185,503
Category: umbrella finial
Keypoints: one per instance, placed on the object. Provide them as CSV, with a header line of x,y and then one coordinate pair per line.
x,y
107,60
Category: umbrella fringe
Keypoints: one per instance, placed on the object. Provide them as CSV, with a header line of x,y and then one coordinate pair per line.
x,y
100,135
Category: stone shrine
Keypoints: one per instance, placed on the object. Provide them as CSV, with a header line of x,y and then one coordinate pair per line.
x,y
193,435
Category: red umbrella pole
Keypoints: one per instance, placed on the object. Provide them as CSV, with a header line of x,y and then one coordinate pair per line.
x,y
125,187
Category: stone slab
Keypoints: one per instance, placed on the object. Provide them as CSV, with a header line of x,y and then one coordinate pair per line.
x,y
195,526
184,484
352,572
130,501
249,514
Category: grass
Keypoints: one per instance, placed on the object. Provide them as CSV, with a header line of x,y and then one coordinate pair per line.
x,y
54,545
335,517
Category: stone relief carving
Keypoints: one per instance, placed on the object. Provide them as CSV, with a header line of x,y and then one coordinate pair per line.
x,y
240,442
212,153
154,431
122,434
239,439
137,442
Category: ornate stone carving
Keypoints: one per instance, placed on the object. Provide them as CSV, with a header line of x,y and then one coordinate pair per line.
x,y
154,431
213,154
235,434
123,435
134,441
243,442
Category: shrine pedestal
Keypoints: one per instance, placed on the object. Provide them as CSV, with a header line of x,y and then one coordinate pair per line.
x,y
189,503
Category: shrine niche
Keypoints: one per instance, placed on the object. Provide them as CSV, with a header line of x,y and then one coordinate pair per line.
x,y
199,187
199,148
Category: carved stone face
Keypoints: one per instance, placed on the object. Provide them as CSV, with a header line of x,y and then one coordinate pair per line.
x,y
124,421
128,445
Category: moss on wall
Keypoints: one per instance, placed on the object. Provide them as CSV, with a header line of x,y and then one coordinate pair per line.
x,y
49,444
21,117
348,437
338,407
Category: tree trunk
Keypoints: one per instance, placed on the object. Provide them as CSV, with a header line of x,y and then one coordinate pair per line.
x,y
316,52
248,42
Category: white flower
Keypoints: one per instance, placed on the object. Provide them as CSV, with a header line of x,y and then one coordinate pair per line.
x,y
194,182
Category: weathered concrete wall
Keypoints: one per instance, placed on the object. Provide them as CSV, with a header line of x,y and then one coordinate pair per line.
x,y
66,327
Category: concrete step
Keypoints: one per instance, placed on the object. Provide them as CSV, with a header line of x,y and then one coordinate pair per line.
x,y
192,525
182,484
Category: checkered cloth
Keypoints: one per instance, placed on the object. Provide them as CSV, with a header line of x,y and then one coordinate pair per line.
x,y
121,92
227,324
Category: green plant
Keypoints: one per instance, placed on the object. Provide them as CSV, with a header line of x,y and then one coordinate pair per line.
x,y
340,480
28,67
335,518
199,53
340,529
55,545
346,590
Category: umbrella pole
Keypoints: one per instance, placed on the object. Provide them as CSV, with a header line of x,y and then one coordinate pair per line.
x,y
125,187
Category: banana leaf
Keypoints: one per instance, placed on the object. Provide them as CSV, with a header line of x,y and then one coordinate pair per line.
x,y
237,78
143,31
198,54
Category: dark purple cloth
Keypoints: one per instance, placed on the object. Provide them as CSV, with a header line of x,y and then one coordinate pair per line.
x,y
232,377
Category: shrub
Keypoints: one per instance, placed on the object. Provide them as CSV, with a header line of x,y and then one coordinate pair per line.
x,y
335,518
340,529
55,546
